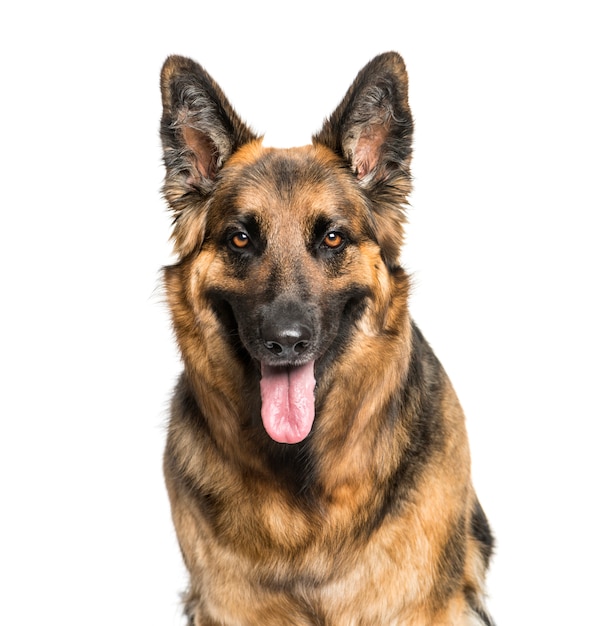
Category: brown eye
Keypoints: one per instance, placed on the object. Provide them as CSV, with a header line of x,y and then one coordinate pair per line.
x,y
333,240
240,240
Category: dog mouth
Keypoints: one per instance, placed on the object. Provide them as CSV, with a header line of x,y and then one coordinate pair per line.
x,y
288,404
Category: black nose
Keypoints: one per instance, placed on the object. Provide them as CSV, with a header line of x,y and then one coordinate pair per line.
x,y
286,340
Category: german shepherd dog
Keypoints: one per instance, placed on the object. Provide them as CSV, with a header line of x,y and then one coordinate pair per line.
x,y
317,461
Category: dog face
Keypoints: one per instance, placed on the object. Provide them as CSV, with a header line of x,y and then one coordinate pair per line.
x,y
282,247
288,232
291,242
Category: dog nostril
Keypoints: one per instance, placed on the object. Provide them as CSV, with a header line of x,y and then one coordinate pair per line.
x,y
300,346
273,347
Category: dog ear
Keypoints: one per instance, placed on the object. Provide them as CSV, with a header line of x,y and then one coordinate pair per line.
x,y
372,130
199,131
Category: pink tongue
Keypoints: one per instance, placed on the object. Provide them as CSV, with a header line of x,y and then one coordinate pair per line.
x,y
288,401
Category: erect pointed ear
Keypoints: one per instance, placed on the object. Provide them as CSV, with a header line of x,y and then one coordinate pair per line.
x,y
199,131
372,130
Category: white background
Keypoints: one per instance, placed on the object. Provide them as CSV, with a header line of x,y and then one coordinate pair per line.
x,y
501,244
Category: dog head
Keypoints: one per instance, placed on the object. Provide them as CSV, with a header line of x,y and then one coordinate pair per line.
x,y
283,252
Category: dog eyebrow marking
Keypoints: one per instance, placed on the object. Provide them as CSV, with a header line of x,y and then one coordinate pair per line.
x,y
324,224
248,222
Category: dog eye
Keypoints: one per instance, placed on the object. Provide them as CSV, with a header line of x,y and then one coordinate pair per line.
x,y
240,241
333,240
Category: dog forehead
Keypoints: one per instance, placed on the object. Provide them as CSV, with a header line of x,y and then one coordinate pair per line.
x,y
307,181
